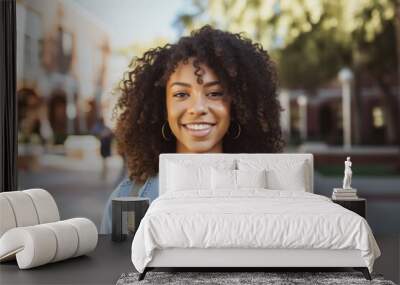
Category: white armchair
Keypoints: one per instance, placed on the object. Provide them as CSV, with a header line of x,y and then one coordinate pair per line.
x,y
32,233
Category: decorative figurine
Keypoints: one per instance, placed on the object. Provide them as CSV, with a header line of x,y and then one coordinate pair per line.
x,y
348,173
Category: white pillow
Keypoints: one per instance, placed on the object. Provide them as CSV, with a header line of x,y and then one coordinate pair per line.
x,y
236,179
223,179
193,174
181,178
251,178
281,174
292,181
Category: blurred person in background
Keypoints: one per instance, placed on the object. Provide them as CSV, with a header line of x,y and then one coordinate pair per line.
x,y
33,123
105,136
34,131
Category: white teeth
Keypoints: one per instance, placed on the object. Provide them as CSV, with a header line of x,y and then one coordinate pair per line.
x,y
198,126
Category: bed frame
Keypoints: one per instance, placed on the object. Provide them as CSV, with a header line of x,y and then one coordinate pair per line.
x,y
247,259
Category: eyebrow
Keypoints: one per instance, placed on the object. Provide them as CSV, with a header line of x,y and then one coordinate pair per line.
x,y
208,84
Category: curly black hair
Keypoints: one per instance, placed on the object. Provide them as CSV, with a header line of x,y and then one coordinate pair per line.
x,y
246,72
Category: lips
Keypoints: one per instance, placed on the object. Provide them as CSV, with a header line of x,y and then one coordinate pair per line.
x,y
199,129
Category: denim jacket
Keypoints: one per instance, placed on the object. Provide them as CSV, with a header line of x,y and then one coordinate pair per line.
x,y
124,189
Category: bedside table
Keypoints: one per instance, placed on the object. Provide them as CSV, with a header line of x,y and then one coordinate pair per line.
x,y
358,205
124,208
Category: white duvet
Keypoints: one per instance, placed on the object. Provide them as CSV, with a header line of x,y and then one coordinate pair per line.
x,y
253,218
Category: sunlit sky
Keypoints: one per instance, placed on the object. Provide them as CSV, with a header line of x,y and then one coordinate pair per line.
x,y
132,21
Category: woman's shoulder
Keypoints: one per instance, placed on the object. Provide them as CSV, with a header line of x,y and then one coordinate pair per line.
x,y
128,183
123,188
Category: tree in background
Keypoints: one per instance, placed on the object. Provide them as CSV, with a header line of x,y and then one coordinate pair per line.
x,y
312,40
137,49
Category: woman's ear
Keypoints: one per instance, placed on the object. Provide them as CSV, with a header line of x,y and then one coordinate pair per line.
x,y
232,112
164,112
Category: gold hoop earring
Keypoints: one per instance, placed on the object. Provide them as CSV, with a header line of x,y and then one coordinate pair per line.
x,y
163,132
239,131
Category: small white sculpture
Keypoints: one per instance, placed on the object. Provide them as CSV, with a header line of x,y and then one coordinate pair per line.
x,y
348,173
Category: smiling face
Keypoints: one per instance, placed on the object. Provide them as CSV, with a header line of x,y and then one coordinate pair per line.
x,y
198,113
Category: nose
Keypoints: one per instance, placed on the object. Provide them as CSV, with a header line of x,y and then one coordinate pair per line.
x,y
198,105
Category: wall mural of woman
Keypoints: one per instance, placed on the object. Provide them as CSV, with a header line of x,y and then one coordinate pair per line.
x,y
212,91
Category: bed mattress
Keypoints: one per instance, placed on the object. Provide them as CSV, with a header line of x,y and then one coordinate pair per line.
x,y
250,219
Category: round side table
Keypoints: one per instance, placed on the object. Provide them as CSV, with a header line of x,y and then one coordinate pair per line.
x,y
122,207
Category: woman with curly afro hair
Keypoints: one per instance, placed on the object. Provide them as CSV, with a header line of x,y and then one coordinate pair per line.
x,y
212,91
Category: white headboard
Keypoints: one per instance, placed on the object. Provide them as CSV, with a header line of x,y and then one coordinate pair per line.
x,y
212,157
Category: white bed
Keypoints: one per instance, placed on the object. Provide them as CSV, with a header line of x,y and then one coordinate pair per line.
x,y
282,224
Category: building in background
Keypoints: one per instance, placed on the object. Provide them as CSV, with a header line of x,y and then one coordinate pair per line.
x,y
63,54
318,116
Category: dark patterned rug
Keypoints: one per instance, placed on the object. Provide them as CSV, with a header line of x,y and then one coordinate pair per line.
x,y
229,278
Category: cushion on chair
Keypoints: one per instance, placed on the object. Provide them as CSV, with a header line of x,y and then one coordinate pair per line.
x,y
7,220
40,244
87,233
27,208
23,208
32,246
66,237
46,207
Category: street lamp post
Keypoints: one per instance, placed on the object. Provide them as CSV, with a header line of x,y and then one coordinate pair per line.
x,y
284,98
346,78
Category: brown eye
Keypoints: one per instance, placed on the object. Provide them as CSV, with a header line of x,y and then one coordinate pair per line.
x,y
215,94
180,95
